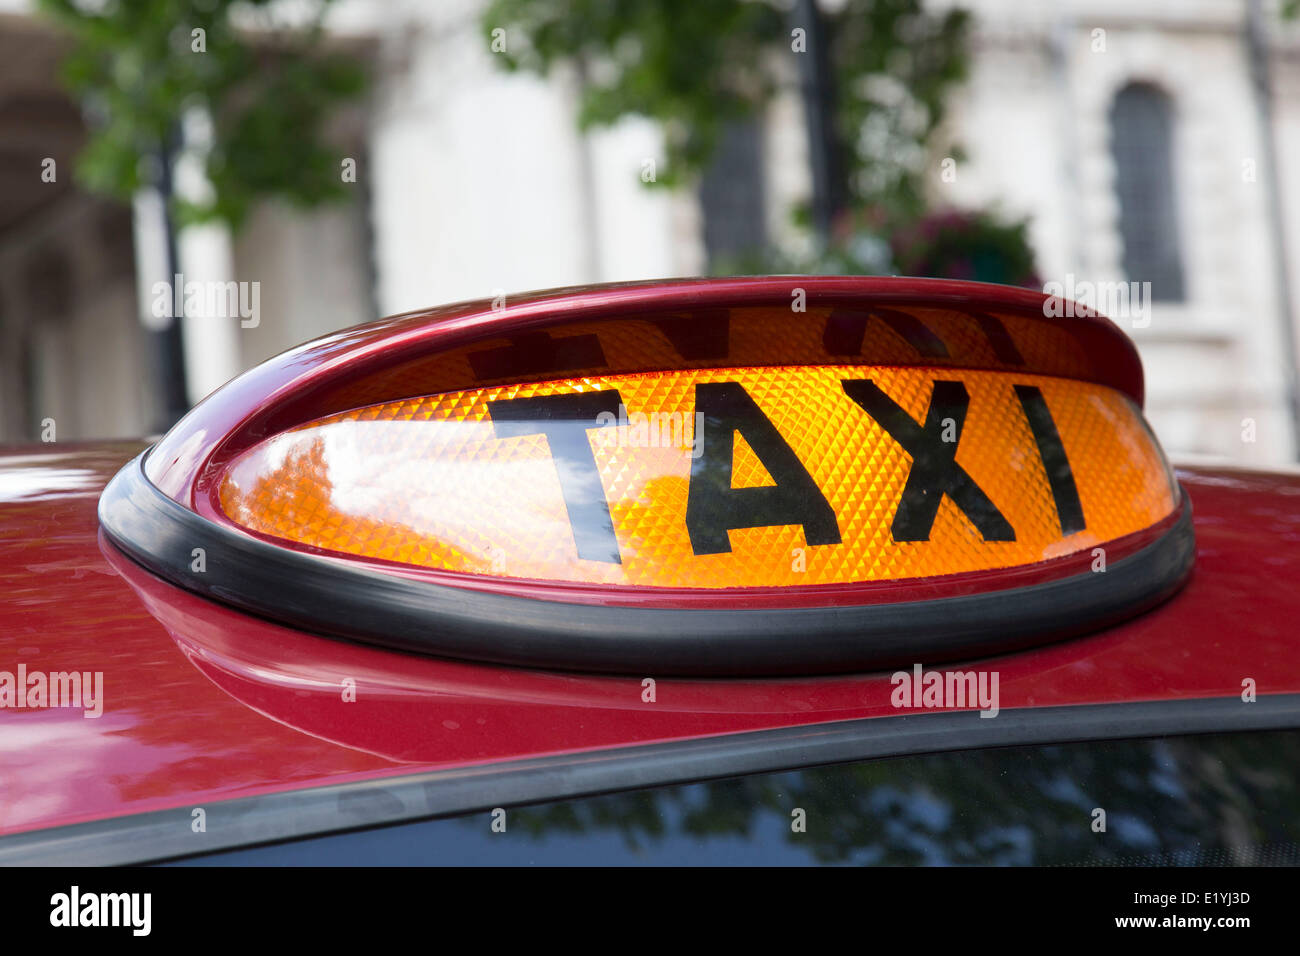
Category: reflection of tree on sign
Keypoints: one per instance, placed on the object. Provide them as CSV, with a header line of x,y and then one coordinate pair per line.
x,y
296,500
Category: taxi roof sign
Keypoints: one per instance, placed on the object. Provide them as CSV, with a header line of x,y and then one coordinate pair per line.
x,y
689,478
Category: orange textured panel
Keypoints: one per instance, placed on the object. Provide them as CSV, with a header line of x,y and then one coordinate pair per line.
x,y
428,482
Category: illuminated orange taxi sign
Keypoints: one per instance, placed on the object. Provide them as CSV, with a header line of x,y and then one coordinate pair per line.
x,y
717,478
681,478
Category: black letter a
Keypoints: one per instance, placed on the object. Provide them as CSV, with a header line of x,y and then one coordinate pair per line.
x,y
713,507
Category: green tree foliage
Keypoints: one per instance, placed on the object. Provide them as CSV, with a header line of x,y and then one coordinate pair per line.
x,y
139,65
895,66
695,65
692,65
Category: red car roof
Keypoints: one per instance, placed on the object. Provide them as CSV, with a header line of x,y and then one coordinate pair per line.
x,y
203,703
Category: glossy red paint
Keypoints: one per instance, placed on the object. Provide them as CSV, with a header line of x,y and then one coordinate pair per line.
x,y
203,703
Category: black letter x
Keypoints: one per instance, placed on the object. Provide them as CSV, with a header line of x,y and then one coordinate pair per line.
x,y
935,472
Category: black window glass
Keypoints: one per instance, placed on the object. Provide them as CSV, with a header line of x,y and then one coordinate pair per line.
x,y
1202,800
1142,128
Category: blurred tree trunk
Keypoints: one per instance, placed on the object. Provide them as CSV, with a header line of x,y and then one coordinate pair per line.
x,y
829,192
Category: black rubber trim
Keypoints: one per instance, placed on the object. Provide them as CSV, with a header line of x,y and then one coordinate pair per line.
x,y
329,597
249,821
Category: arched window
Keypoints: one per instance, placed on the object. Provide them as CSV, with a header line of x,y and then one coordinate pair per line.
x,y
1142,127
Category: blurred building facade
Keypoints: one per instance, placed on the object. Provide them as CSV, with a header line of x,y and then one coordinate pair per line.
x,y
1139,159
1128,132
